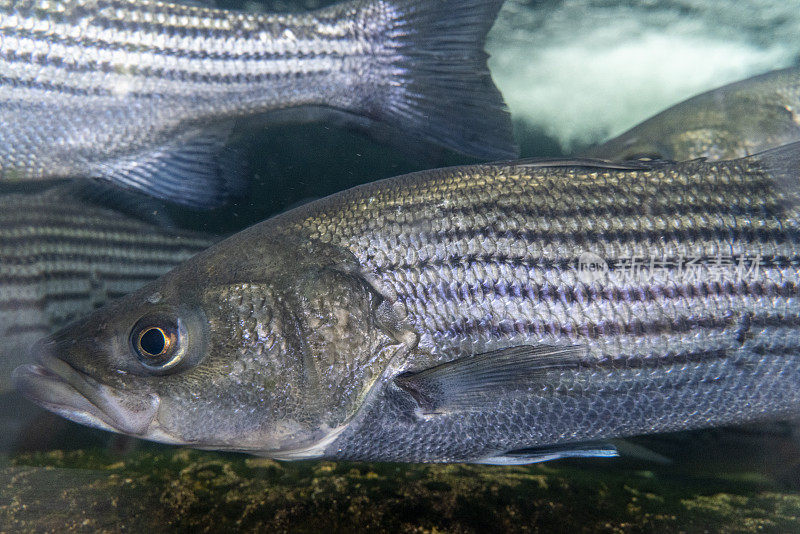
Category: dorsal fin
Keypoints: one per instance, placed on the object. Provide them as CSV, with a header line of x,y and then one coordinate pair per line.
x,y
581,162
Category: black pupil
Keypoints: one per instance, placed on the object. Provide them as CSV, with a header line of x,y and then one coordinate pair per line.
x,y
153,342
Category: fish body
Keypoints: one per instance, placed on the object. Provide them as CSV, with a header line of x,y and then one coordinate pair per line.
x,y
489,313
145,94
732,121
62,258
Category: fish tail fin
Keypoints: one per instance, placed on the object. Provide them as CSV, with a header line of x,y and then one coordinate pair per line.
x,y
434,81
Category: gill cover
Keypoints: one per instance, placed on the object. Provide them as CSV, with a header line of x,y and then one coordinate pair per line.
x,y
298,335
342,338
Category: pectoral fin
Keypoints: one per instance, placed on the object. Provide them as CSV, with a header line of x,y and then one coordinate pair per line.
x,y
556,452
194,169
473,382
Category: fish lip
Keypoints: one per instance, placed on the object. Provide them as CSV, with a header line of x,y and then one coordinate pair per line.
x,y
58,387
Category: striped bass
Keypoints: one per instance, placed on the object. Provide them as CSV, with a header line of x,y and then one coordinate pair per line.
x,y
61,258
144,94
732,121
503,313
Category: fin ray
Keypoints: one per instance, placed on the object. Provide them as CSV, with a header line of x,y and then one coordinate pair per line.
x,y
438,84
783,162
468,383
138,205
555,452
194,169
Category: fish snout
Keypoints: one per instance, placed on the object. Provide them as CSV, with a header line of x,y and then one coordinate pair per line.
x,y
77,345
57,384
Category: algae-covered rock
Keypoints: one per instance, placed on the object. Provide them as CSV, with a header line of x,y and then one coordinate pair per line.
x,y
164,489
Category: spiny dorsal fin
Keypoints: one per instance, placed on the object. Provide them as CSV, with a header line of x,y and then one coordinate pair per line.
x,y
635,165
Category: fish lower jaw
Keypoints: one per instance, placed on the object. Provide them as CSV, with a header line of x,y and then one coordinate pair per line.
x,y
57,387
45,388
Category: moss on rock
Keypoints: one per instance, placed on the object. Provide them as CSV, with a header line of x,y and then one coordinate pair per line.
x,y
158,489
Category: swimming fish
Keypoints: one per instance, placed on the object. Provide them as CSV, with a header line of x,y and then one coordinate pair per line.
x,y
62,257
145,94
501,313
729,122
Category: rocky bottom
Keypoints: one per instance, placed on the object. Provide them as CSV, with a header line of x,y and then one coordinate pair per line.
x,y
158,489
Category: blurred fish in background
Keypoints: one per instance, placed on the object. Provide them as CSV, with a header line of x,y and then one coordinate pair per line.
x,y
145,95
733,121
62,257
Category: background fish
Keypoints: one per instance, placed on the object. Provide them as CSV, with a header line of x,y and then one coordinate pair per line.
x,y
144,95
492,313
61,258
732,121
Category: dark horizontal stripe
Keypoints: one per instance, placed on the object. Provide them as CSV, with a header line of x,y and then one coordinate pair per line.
x,y
122,25
223,37
33,228
751,184
28,329
687,378
472,262
98,273
32,224
18,304
97,91
66,296
202,77
691,235
613,210
275,25
645,361
106,243
61,297
90,66
98,22
96,258
590,294
55,296
53,87
678,325
40,217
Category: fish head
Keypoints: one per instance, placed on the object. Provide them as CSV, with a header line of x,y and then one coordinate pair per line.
x,y
267,348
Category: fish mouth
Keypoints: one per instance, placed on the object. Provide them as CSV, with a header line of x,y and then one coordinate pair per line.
x,y
58,387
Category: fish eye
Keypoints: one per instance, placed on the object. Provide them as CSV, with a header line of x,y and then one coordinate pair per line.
x,y
159,342
154,342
